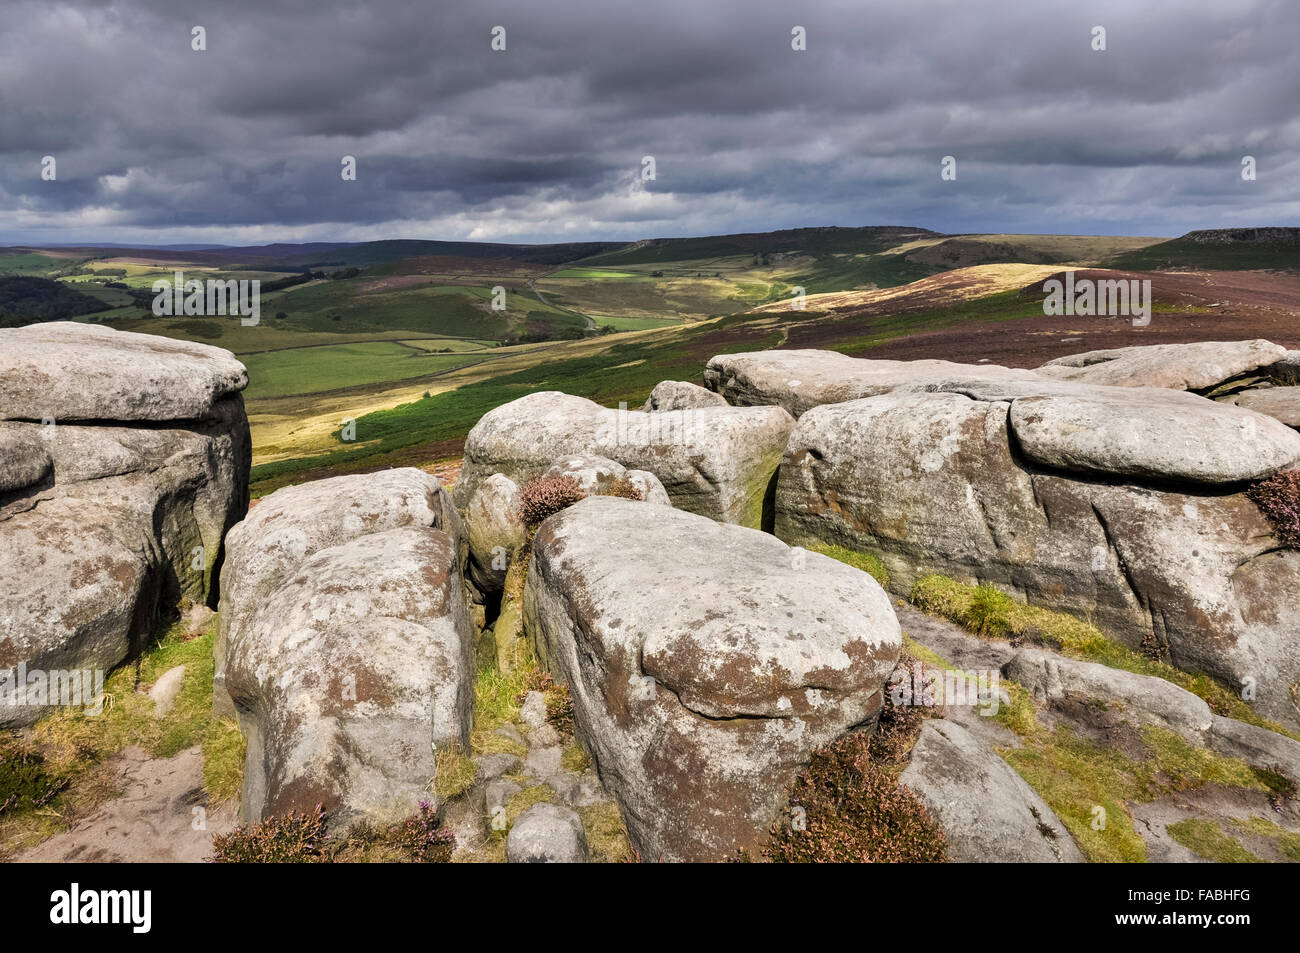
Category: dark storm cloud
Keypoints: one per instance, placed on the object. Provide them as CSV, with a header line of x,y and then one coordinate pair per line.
x,y
243,142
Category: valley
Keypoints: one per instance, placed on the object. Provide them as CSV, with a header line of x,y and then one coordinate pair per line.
x,y
402,338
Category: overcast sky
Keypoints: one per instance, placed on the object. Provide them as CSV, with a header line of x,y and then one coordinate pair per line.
x,y
243,142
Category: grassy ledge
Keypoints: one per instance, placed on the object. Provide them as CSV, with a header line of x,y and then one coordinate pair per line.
x,y
991,613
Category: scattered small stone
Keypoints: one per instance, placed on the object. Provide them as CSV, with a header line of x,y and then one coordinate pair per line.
x,y
510,733
197,619
533,711
544,762
495,799
166,689
576,790
544,737
547,834
492,766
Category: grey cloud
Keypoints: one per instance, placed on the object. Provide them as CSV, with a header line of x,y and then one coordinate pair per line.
x,y
158,143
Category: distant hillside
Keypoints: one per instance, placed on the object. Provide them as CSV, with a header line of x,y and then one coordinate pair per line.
x,y
1226,249
26,300
379,253
808,241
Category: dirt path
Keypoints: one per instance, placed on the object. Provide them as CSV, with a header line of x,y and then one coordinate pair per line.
x,y
154,819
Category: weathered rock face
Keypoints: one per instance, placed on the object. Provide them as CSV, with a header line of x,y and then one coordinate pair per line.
x,y
495,525
1146,699
105,520
699,707
1200,367
715,461
495,529
799,380
346,644
987,811
940,482
681,395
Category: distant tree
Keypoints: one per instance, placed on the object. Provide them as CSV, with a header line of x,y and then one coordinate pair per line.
x,y
28,300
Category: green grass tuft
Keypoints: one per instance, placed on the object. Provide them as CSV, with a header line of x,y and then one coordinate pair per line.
x,y
1207,839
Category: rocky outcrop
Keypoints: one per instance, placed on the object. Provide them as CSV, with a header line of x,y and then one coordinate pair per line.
x,y
495,525
1201,366
1255,375
987,812
699,709
715,461
123,461
346,644
1155,552
799,380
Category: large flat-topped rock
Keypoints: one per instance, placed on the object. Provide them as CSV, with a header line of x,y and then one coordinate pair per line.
x,y
1198,366
801,379
715,461
706,663
1145,434
1151,434
66,371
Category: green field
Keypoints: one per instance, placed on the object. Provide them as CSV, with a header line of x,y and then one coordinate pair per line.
x,y
592,273
310,370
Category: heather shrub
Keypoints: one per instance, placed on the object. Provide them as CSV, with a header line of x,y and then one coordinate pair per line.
x,y
546,496
899,725
624,488
423,838
294,838
1278,498
854,810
